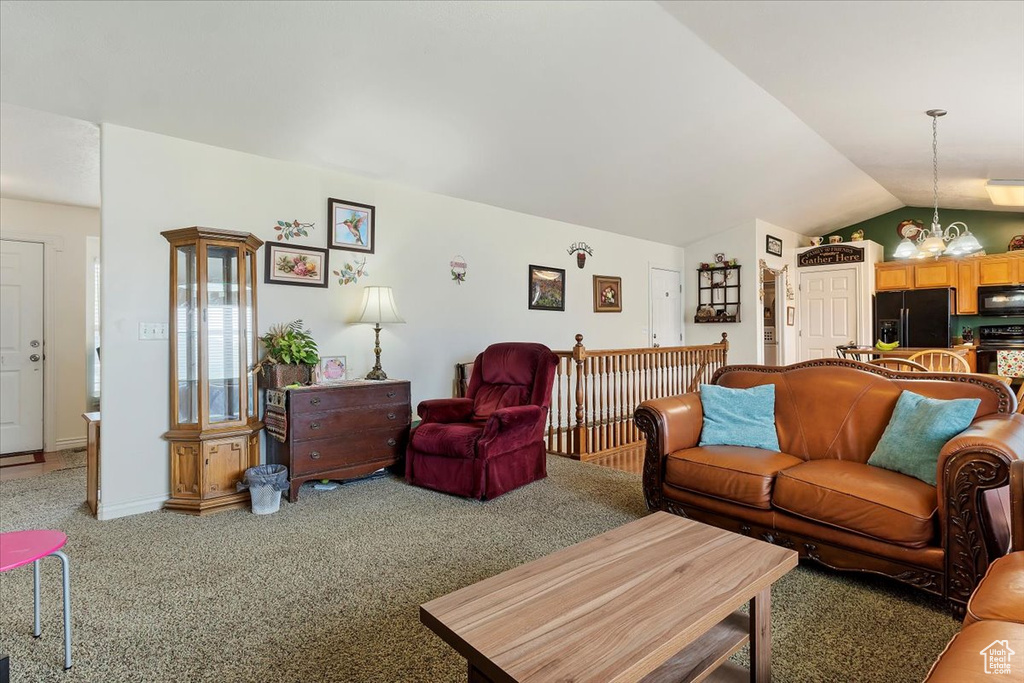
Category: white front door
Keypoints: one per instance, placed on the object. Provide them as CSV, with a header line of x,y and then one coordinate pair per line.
x,y
828,311
21,346
666,315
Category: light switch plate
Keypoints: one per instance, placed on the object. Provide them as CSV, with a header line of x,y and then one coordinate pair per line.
x,y
152,331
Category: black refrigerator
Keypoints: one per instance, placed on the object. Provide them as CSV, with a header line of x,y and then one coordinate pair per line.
x,y
917,317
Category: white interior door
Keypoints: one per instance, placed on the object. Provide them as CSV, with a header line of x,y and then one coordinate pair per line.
x,y
666,314
21,346
828,303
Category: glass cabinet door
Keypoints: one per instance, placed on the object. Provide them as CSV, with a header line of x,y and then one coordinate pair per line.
x,y
187,338
224,334
250,329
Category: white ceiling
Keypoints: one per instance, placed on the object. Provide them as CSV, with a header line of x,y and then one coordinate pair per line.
x,y
609,114
863,74
48,158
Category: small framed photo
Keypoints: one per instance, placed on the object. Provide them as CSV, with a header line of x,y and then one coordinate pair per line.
x,y
331,369
351,226
290,264
607,294
546,288
773,245
791,315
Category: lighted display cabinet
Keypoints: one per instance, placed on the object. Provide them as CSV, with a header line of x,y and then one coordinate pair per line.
x,y
214,434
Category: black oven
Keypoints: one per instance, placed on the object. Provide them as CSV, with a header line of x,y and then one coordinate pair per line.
x,y
1003,300
995,338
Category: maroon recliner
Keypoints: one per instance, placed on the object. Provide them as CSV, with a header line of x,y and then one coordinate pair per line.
x,y
492,441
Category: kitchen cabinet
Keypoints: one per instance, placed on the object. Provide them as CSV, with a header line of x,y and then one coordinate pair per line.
x,y
998,271
967,288
894,276
935,274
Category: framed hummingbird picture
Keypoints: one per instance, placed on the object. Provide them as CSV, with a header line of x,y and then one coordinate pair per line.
x,y
351,226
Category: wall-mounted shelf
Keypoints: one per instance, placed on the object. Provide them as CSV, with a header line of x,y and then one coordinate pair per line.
x,y
718,290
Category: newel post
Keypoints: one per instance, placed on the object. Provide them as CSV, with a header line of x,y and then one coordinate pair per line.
x,y
579,430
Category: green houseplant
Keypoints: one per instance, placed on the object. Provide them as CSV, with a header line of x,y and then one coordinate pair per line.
x,y
291,355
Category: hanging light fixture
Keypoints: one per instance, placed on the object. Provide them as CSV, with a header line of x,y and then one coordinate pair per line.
x,y
956,239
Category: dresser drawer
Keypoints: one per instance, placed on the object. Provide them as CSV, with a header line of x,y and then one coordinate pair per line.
x,y
344,422
320,455
353,396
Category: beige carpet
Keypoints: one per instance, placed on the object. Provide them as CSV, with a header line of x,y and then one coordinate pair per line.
x,y
328,589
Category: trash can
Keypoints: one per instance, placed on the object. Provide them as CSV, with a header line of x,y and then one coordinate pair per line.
x,y
265,484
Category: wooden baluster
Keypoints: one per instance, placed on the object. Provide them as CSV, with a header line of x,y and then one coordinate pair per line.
x,y
620,408
579,440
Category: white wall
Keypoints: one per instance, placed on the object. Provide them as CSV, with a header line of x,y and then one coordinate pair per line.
x,y
68,227
736,242
153,183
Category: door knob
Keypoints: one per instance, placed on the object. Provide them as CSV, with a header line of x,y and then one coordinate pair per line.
x,y
34,358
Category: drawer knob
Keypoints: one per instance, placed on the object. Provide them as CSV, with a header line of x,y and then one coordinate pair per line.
x,y
391,394
314,425
391,416
315,455
392,442
314,401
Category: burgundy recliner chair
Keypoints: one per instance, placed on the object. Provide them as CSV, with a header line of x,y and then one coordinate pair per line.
x,y
492,441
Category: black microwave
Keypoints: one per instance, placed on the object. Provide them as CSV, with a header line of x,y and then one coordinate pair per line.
x,y
1002,300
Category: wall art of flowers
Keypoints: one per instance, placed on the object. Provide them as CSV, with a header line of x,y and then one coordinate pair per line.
x,y
351,272
286,230
295,265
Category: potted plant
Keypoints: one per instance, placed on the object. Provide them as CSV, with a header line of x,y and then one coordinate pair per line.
x,y
291,356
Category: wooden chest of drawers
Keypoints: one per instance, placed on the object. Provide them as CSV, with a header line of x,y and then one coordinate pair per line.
x,y
341,431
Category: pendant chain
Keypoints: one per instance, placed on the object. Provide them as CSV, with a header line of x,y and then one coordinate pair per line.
x,y
935,170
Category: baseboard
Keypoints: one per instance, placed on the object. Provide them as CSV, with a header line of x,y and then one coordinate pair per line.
x,y
107,511
68,444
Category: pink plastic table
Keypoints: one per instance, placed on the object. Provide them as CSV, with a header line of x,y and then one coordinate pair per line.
x,y
18,548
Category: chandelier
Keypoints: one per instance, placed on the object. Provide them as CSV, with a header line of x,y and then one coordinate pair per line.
x,y
956,239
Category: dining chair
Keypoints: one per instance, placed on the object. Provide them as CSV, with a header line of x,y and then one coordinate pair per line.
x,y
940,360
1020,400
899,364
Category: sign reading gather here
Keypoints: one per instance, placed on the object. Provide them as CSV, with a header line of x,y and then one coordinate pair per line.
x,y
829,255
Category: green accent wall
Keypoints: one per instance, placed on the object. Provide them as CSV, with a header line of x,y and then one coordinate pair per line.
x,y
992,228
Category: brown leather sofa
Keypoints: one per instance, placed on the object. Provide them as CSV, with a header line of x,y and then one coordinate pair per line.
x,y
995,612
819,497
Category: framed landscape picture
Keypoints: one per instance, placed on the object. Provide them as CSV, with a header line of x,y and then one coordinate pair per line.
x,y
289,264
773,245
351,226
607,294
546,288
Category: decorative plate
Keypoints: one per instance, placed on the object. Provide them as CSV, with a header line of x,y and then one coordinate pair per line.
x,y
1016,243
903,225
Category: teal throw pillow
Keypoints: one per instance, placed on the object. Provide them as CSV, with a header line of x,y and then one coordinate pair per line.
x,y
739,417
917,431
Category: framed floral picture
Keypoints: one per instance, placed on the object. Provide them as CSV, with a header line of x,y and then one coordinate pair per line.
x,y
607,294
351,226
546,288
290,264
332,369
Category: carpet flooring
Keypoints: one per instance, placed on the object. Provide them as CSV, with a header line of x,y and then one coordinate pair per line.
x,y
328,589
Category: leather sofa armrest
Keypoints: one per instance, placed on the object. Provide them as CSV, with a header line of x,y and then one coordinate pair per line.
x,y
976,460
669,424
510,428
1017,505
446,410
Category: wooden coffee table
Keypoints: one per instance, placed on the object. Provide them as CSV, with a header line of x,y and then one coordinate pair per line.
x,y
654,600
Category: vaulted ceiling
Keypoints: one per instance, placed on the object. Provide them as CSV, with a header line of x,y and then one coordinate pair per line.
x,y
665,121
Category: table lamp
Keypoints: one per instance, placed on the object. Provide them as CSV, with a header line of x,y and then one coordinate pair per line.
x,y
378,307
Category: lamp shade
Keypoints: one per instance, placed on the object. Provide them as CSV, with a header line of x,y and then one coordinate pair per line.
x,y
379,306
906,249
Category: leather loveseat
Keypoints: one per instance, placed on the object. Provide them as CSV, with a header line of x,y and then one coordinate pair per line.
x,y
820,497
992,640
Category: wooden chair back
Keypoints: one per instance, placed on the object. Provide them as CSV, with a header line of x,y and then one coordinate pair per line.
x,y
1020,403
940,360
899,364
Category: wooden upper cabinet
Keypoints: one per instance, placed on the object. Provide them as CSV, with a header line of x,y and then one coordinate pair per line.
x,y
935,274
998,271
893,276
967,288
